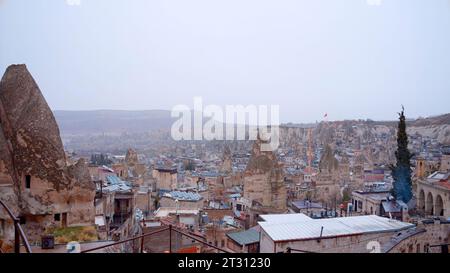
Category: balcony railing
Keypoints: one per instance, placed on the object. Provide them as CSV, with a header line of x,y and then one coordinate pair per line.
x,y
170,228
18,231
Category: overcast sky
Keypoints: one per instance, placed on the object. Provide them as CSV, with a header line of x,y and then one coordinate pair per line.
x,y
346,58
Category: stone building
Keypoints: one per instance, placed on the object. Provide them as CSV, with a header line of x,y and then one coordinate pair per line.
x,y
181,200
421,168
355,234
36,180
344,168
246,241
264,183
369,201
361,163
445,163
327,188
433,195
131,170
166,178
427,237
116,204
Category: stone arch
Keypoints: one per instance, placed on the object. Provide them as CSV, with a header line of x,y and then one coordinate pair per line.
x,y
439,206
421,201
429,205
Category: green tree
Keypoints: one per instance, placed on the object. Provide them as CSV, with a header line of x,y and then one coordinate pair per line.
x,y
401,171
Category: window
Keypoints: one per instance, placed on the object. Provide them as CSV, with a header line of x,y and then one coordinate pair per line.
x,y
22,220
28,181
57,217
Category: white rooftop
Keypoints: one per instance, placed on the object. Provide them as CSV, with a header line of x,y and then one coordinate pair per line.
x,y
310,228
285,218
164,212
437,176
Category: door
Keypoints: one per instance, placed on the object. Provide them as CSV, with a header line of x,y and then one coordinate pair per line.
x,y
64,219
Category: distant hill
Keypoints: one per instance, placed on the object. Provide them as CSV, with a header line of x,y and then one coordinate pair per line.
x,y
111,121
435,120
117,130
122,121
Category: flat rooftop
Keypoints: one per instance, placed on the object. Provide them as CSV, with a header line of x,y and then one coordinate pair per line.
x,y
285,218
308,228
164,212
183,196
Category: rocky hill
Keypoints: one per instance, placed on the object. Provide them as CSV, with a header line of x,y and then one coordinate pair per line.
x,y
111,121
114,129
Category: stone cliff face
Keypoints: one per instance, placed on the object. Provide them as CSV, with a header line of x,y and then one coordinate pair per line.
x,y
356,132
35,177
30,127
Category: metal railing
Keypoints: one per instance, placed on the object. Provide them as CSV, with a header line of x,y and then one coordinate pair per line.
x,y
170,228
18,231
292,250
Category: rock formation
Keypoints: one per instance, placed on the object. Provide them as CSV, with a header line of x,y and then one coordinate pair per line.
x,y
264,181
35,179
131,170
328,162
131,158
226,167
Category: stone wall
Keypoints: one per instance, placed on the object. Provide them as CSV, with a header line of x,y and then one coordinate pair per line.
x,y
434,233
165,180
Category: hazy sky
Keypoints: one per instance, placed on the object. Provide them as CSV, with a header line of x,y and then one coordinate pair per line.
x,y
346,58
